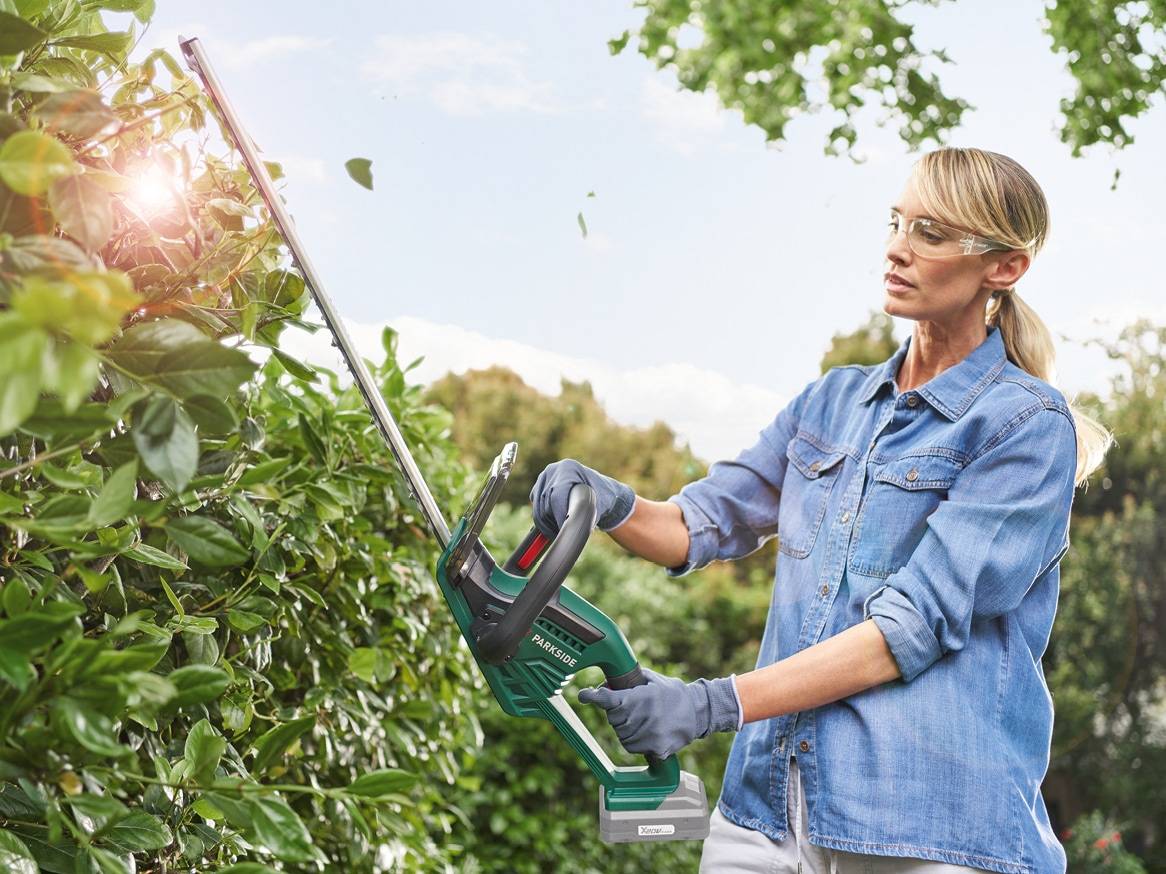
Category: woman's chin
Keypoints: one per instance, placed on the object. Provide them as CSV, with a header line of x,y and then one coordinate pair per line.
x,y
896,306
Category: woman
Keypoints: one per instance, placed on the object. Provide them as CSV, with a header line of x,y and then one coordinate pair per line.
x,y
898,718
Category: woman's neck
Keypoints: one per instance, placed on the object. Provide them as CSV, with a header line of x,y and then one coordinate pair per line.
x,y
933,349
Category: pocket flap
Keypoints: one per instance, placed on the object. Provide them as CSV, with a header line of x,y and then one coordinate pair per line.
x,y
811,460
920,472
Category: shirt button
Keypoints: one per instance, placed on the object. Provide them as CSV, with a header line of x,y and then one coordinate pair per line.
x,y
825,590
814,466
846,516
912,475
912,401
804,746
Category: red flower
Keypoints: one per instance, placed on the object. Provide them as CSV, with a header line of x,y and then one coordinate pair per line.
x,y
1115,837
1101,843
1066,834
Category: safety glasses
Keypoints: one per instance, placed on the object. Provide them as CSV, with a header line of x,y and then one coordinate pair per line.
x,y
928,238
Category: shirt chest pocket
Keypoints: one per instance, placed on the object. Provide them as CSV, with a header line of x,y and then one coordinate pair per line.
x,y
805,493
893,515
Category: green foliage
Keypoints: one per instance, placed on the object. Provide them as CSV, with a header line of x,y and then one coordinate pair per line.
x,y
1111,52
487,404
31,161
190,661
194,548
1094,846
873,343
1107,653
756,55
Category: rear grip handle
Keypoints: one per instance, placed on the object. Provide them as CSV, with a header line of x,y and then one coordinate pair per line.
x,y
635,677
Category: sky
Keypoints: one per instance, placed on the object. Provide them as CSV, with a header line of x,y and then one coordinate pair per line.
x,y
716,268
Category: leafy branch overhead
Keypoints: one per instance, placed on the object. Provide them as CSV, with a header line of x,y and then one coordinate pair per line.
x,y
761,57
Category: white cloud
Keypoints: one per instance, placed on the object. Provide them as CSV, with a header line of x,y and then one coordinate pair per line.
x,y
259,50
462,74
597,242
715,415
683,119
406,59
223,52
477,98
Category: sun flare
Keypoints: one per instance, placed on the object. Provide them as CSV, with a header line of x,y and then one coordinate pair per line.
x,y
153,190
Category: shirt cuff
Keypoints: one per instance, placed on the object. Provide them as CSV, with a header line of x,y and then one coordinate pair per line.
x,y
702,538
911,641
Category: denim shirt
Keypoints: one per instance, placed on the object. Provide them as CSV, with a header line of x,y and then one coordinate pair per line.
x,y
941,513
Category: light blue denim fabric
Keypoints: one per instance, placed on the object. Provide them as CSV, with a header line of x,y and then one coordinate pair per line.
x,y
942,514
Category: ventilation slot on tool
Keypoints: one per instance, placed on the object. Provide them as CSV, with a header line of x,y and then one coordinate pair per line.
x,y
550,630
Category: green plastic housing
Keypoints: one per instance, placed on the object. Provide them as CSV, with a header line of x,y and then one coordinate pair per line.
x,y
531,683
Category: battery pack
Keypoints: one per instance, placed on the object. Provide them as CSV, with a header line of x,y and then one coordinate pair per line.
x,y
682,816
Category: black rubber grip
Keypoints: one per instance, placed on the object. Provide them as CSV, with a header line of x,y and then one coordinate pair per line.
x,y
634,677
499,641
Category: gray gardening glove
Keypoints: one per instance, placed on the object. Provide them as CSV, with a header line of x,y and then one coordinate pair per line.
x,y
614,501
666,714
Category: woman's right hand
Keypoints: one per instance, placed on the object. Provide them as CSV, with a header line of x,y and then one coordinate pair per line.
x,y
614,501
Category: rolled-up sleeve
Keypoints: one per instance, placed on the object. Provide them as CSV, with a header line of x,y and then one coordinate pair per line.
x,y
732,511
1004,525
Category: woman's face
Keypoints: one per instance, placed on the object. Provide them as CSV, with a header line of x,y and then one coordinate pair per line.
x,y
948,291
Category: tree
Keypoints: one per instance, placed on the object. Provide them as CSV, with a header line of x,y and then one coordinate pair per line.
x,y
494,405
1106,657
873,343
755,55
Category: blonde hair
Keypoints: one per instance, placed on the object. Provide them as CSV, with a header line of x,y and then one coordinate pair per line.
x,y
992,195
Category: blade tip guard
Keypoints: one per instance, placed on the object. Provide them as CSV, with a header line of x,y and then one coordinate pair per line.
x,y
682,816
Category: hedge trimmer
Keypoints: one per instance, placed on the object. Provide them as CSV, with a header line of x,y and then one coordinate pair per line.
x,y
528,633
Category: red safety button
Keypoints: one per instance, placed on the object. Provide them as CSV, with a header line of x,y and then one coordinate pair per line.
x,y
532,551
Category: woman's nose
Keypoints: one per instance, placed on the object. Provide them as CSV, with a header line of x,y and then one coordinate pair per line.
x,y
897,248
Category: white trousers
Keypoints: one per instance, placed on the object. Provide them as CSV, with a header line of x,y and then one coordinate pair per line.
x,y
731,849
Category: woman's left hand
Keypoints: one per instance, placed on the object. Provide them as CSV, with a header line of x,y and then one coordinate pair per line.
x,y
666,714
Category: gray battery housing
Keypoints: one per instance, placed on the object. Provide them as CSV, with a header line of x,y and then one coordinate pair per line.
x,y
682,816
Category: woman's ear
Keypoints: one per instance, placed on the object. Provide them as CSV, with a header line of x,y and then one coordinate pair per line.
x,y
1007,269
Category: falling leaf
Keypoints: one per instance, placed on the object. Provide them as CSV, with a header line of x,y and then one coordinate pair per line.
x,y
615,46
360,169
590,193
583,226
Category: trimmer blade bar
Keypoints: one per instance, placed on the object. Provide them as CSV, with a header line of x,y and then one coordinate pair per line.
x,y
682,816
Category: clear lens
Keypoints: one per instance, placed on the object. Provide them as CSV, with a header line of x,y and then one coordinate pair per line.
x,y
930,239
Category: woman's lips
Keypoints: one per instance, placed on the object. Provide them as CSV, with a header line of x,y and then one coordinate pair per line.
x,y
896,286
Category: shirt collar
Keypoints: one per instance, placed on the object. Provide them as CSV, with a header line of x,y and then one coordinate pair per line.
x,y
952,391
